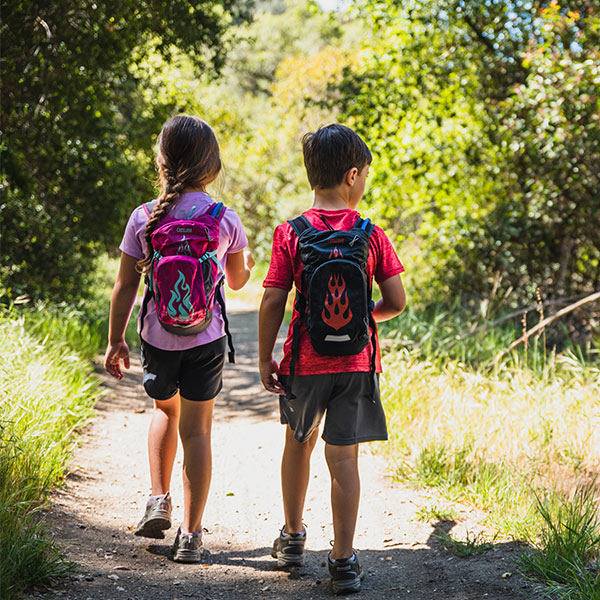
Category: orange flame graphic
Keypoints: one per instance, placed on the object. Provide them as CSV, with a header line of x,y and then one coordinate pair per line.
x,y
335,253
336,312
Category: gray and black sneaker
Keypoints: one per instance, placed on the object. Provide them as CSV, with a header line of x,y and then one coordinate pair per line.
x,y
346,574
187,547
288,549
157,517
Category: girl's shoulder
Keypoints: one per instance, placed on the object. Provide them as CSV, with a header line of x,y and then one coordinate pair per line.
x,y
140,215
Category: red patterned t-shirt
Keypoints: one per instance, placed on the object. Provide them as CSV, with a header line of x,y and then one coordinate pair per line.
x,y
286,269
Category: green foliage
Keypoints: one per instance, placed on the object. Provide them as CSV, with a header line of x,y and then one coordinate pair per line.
x,y
269,95
436,513
297,28
484,121
77,129
569,541
46,393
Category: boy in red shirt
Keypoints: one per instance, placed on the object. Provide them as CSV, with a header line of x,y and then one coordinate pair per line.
x,y
339,387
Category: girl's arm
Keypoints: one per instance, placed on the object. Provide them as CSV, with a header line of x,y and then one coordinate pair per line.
x,y
121,304
237,269
270,316
393,299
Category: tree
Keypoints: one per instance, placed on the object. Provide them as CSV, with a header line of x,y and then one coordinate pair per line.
x,y
484,121
77,129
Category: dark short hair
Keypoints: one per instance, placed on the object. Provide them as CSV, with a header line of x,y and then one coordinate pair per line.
x,y
330,152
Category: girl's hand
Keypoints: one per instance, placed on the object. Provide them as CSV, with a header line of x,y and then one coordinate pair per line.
x,y
249,261
115,353
268,369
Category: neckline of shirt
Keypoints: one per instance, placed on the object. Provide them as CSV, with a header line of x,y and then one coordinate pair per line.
x,y
332,210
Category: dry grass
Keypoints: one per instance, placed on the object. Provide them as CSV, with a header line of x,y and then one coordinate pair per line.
x,y
493,438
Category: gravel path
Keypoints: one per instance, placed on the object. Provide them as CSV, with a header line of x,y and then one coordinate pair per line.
x,y
108,483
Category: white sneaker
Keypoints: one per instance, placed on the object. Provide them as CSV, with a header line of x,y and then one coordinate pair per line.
x,y
157,517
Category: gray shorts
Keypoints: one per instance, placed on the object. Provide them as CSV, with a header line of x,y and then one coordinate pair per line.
x,y
349,401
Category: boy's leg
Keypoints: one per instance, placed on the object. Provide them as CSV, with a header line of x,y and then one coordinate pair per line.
x,y
162,443
345,494
195,425
295,473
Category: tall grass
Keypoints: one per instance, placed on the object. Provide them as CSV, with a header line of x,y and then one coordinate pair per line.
x,y
496,434
46,393
567,556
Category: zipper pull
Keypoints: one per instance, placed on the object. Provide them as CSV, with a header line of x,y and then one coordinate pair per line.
x,y
354,240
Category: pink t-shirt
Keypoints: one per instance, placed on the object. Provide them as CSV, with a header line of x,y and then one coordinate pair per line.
x,y
231,239
285,270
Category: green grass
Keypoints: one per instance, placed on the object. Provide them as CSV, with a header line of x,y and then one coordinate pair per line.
x,y
433,513
495,434
567,554
472,545
46,394
492,439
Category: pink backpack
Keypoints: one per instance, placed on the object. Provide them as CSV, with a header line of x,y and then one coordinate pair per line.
x,y
185,275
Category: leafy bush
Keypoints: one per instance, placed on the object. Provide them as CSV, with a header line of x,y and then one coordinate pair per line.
x,y
78,123
486,140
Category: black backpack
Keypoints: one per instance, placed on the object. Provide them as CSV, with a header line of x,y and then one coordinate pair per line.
x,y
335,302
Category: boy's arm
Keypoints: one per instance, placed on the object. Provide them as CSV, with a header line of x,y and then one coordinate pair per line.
x,y
270,317
237,269
393,299
123,297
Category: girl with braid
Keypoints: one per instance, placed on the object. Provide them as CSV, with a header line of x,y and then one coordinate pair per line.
x,y
182,373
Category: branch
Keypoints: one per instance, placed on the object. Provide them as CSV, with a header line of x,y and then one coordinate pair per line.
x,y
516,313
479,33
547,321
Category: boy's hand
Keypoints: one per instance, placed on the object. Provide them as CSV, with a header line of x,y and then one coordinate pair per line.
x,y
112,359
269,368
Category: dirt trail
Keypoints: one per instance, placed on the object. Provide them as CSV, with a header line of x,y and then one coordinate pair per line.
x,y
108,483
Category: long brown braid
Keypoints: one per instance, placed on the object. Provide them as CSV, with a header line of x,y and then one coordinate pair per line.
x,y
187,157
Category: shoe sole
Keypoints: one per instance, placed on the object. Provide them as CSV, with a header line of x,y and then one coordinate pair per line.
x,y
347,587
188,556
286,560
154,527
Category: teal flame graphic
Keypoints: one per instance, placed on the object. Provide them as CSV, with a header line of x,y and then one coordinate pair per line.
x,y
180,307
184,247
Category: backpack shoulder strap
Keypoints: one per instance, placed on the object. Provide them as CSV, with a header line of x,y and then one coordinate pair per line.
x,y
149,207
300,224
221,300
364,224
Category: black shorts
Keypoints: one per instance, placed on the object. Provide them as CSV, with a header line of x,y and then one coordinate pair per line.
x,y
197,373
349,401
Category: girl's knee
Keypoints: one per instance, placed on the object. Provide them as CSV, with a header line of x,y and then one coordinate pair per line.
x,y
194,431
169,408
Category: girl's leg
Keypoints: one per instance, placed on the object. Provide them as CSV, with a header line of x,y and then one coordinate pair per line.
x,y
345,494
162,443
194,429
295,473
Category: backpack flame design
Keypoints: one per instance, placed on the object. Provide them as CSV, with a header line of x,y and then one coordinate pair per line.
x,y
180,306
336,312
184,247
